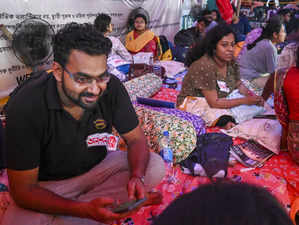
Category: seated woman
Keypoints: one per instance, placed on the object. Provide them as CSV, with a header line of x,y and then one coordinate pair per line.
x,y
142,39
287,107
103,24
259,60
213,74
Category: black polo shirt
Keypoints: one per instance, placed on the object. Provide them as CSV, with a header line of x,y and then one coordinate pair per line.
x,y
40,133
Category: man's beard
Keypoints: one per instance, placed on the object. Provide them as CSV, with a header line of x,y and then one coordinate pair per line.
x,y
78,100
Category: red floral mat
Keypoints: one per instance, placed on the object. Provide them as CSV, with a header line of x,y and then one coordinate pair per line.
x,y
279,175
166,94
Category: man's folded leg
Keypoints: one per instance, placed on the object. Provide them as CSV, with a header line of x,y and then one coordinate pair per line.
x,y
109,178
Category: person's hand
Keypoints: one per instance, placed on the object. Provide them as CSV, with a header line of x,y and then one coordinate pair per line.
x,y
254,100
100,209
136,188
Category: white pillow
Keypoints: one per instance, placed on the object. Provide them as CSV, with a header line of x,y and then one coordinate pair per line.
x,y
200,107
264,131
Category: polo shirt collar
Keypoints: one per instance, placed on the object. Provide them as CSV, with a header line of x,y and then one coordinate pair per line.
x,y
52,95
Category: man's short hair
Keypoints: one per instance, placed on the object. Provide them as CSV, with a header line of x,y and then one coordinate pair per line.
x,y
102,22
284,12
225,203
82,37
204,19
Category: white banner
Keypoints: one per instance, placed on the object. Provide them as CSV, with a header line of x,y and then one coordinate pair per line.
x,y
164,20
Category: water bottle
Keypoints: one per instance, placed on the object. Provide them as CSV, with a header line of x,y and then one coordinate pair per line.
x,y
165,149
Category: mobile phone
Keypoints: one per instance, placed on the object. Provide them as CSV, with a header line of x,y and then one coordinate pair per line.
x,y
128,206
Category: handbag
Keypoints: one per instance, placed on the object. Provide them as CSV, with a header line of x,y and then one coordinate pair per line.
x,y
139,69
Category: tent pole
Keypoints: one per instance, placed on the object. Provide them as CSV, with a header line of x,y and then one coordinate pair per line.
x,y
239,7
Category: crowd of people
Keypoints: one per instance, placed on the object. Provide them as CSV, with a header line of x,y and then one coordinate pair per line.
x,y
214,72
59,169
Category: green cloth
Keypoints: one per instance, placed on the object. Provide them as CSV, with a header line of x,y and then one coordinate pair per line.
x,y
212,5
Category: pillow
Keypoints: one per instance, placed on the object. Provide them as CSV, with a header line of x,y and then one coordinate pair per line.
x,y
242,113
155,102
172,67
200,107
264,131
182,133
197,122
144,86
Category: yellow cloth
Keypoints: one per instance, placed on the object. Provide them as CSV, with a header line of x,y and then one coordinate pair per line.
x,y
163,56
3,101
135,45
167,56
238,48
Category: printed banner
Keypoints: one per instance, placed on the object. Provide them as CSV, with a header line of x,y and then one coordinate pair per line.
x,y
164,19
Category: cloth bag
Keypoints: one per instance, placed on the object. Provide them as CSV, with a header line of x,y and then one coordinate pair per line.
x,y
211,153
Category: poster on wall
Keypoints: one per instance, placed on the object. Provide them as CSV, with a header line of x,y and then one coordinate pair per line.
x,y
164,19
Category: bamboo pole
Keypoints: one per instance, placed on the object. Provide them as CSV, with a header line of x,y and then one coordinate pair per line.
x,y
239,7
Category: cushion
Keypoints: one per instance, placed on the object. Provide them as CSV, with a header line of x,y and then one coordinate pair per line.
x,y
267,132
182,132
200,107
144,86
197,122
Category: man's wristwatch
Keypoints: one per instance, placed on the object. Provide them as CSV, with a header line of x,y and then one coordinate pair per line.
x,y
141,178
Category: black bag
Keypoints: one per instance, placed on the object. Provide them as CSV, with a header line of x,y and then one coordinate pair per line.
x,y
211,152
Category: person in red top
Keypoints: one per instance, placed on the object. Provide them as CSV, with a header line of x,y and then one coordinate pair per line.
x,y
142,39
286,104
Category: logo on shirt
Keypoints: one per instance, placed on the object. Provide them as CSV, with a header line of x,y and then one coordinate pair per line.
x,y
99,124
103,139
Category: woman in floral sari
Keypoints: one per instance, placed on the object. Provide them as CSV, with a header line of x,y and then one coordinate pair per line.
x,y
286,92
142,39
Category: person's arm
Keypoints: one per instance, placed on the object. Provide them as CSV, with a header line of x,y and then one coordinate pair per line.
x,y
269,87
244,90
123,52
271,59
223,103
138,157
27,193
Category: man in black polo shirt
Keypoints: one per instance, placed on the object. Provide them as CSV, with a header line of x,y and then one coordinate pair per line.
x,y
58,132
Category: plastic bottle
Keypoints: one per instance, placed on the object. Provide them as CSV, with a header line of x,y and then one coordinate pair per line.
x,y
166,151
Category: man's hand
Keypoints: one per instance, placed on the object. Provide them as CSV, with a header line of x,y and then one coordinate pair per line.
x,y
100,209
136,188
